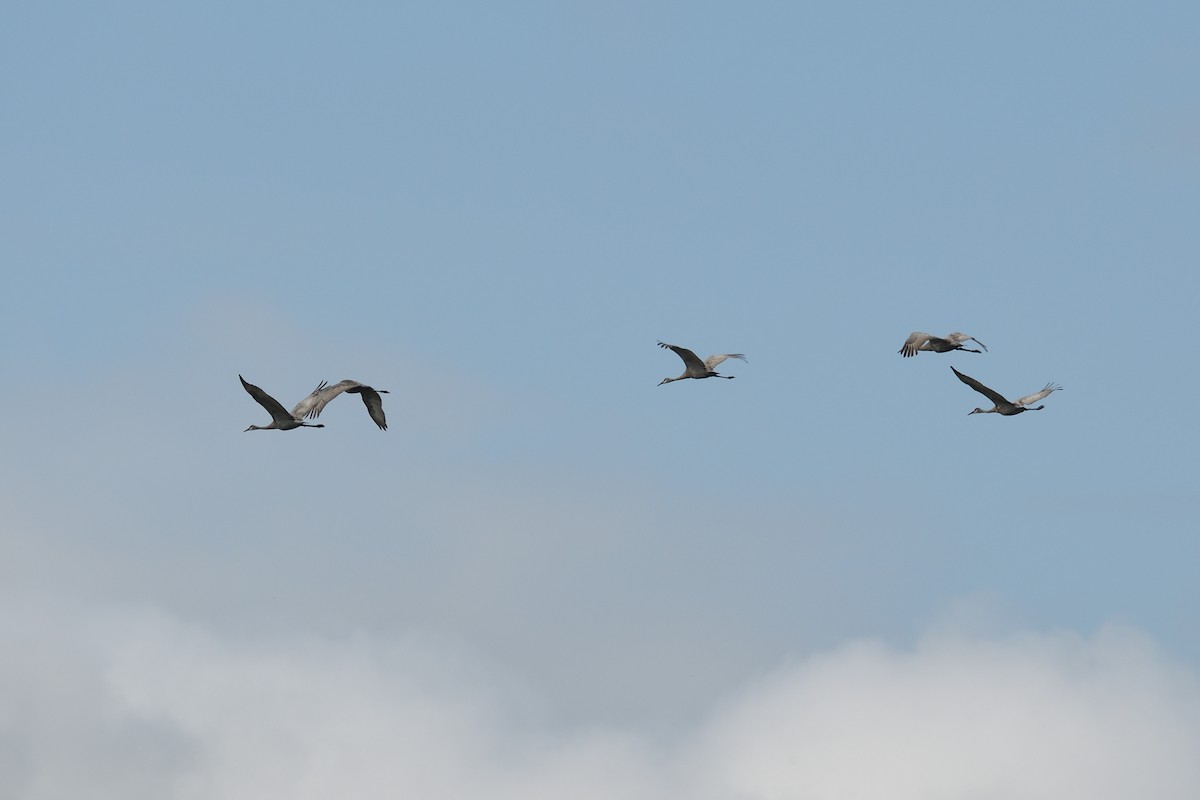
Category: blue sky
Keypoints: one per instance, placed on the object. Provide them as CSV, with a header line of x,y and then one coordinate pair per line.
x,y
495,212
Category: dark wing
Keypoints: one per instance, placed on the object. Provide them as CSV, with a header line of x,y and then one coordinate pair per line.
x,y
265,400
374,404
690,359
994,396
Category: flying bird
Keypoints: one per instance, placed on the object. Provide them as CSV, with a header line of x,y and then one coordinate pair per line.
x,y
1003,406
694,367
312,406
281,420
924,341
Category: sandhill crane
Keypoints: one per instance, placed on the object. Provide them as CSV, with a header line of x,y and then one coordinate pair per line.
x,y
281,420
312,405
694,367
924,341
1002,405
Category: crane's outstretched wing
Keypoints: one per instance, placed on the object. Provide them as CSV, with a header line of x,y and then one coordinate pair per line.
x,y
990,394
374,404
1033,398
315,403
712,361
958,338
273,406
690,359
913,343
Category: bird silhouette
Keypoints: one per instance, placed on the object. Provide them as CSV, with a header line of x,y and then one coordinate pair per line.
x,y
918,341
694,367
1003,406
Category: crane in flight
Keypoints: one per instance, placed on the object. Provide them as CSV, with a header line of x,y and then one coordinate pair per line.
x,y
281,420
917,341
312,405
1003,406
694,367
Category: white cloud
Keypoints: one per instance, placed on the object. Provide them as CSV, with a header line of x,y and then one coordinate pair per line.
x,y
136,705
1032,716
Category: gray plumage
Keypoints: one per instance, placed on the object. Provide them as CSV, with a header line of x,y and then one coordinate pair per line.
x,y
312,406
694,367
281,420
1003,406
918,341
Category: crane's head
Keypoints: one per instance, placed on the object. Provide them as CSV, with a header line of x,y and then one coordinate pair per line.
x,y
976,411
667,380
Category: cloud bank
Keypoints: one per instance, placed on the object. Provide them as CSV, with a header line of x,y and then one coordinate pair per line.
x,y
137,704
